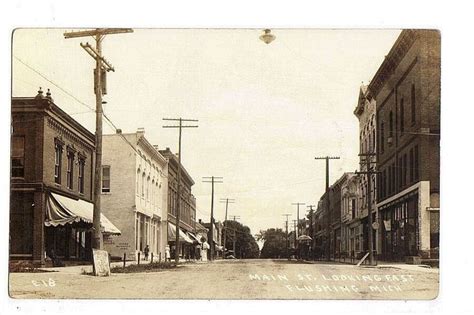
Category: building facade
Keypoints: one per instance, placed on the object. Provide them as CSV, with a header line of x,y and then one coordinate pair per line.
x,y
187,222
134,194
407,92
365,112
52,158
351,227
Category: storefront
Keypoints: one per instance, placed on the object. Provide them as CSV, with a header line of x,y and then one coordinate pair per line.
x,y
185,242
400,228
68,228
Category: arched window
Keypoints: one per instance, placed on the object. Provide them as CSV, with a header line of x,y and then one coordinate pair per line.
x,y
137,184
148,188
152,197
143,185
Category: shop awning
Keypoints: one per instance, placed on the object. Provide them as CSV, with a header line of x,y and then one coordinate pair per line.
x,y
182,235
205,245
61,210
194,237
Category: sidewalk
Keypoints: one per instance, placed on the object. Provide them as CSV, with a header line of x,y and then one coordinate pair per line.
x,y
380,265
80,269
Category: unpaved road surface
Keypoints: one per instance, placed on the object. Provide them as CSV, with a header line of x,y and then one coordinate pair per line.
x,y
238,279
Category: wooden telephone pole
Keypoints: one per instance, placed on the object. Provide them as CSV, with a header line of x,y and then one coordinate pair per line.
x,y
328,208
287,239
101,67
212,180
298,204
369,172
226,201
180,126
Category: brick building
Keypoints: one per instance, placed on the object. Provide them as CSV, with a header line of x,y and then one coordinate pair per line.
x,y
134,194
52,158
365,112
187,212
407,90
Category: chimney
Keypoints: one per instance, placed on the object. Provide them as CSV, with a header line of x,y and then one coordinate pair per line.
x,y
141,131
156,147
118,131
200,221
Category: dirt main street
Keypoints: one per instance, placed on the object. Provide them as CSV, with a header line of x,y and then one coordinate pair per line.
x,y
249,279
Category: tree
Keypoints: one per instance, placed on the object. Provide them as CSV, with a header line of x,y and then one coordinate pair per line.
x,y
245,244
274,245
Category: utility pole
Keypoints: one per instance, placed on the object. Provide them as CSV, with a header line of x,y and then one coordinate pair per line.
x,y
101,67
298,204
227,201
180,126
327,158
294,229
213,180
311,231
369,172
287,239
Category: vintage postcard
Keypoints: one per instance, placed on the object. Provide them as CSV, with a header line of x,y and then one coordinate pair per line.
x,y
271,163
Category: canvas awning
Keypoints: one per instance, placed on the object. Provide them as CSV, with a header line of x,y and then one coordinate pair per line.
x,y
61,210
194,237
182,235
205,245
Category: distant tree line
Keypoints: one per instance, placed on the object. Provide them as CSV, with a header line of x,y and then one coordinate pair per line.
x,y
245,244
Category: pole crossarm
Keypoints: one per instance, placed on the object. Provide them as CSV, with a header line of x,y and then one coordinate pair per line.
x,y
94,54
97,31
180,119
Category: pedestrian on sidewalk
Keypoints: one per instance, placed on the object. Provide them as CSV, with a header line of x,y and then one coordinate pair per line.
x,y
167,253
146,251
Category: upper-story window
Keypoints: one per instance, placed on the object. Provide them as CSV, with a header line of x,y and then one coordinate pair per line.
x,y
353,207
58,153
18,156
143,185
137,184
402,117
413,104
416,167
80,179
382,137
105,178
70,170
390,124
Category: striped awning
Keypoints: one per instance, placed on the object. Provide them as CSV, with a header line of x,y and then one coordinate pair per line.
x,y
62,210
183,237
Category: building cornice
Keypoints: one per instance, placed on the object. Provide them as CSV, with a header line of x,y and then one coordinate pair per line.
x,y
392,60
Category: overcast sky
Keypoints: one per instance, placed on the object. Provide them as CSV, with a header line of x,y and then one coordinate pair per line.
x,y
265,111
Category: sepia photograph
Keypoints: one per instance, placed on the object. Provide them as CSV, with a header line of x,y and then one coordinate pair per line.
x,y
225,163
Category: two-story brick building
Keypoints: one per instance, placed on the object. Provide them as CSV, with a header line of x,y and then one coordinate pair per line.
x,y
407,92
52,158
134,194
